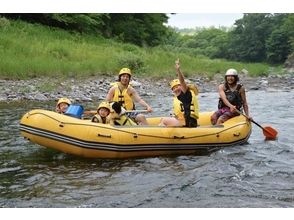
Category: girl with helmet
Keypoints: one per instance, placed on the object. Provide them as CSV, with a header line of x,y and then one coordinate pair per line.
x,y
103,114
232,98
185,103
123,93
62,105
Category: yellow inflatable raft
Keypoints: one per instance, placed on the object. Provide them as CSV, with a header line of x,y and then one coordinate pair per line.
x,y
87,139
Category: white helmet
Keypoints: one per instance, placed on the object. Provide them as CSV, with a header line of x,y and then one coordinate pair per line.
x,y
231,72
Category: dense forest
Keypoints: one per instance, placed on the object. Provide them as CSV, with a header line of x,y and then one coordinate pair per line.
x,y
257,37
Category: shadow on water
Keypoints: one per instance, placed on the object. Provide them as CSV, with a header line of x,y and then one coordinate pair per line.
x,y
259,174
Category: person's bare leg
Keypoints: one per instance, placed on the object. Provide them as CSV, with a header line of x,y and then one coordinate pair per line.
x,y
169,122
141,120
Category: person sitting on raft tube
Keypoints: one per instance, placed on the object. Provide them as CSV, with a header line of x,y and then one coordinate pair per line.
x,y
62,105
123,93
232,96
103,114
185,102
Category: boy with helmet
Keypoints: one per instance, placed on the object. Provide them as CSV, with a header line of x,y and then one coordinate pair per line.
x,y
232,98
62,105
103,114
123,93
185,103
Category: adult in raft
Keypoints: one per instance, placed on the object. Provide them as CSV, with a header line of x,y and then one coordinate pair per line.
x,y
232,97
123,93
185,102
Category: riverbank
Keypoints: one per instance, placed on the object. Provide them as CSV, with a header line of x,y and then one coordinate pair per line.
x,y
95,89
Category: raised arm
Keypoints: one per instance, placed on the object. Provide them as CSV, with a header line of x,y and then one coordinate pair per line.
x,y
181,76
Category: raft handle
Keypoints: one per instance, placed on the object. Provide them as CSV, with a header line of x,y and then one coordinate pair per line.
x,y
104,135
176,137
236,135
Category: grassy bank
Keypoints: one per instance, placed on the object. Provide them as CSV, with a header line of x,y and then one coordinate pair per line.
x,y
31,50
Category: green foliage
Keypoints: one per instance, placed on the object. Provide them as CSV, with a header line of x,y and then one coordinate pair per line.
x,y
257,37
288,28
140,29
4,22
33,50
262,38
172,38
130,60
247,40
211,42
83,23
88,23
278,46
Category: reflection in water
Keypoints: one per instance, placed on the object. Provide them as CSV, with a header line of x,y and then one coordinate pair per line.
x,y
259,174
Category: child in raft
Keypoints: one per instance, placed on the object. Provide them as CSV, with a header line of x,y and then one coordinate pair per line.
x,y
112,113
62,105
103,114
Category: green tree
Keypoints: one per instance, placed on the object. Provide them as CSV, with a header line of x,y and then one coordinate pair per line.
x,y
83,23
247,40
172,37
211,42
278,46
288,28
140,29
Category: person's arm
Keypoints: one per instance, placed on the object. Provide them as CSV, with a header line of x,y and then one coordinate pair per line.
x,y
138,99
222,95
181,76
244,101
110,94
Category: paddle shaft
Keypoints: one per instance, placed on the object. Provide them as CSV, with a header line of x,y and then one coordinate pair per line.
x,y
241,113
136,111
249,119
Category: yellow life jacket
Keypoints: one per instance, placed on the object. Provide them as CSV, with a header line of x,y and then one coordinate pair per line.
x,y
123,97
124,120
98,119
179,108
193,88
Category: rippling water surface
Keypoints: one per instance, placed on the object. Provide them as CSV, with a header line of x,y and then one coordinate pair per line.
x,y
259,174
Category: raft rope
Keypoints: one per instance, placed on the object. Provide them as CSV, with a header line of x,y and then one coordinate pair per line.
x,y
134,133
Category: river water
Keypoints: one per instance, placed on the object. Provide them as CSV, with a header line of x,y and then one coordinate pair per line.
x,y
259,174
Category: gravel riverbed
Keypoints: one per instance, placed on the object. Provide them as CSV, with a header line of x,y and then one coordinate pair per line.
x,y
95,88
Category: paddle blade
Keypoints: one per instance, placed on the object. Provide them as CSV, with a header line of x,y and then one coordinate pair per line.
x,y
269,133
